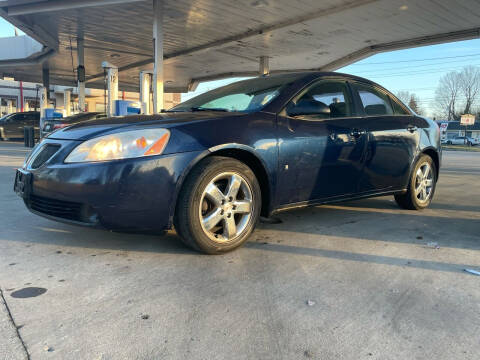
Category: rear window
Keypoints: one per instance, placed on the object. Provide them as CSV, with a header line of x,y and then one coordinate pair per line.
x,y
398,109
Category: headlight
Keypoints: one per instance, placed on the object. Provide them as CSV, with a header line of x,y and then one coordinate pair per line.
x,y
128,144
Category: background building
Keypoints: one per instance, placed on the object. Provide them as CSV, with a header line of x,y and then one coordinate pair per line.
x,y
17,96
454,128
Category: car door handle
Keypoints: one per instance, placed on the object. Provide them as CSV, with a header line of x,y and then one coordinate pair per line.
x,y
357,133
412,128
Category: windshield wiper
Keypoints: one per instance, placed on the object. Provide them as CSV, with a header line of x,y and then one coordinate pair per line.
x,y
197,108
201,108
173,110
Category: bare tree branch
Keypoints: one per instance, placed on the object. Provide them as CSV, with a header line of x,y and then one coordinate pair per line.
x,y
404,96
447,94
469,79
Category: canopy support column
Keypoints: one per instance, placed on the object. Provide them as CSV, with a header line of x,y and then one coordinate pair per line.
x,y
66,101
21,97
145,84
46,80
43,105
112,87
264,65
81,74
158,56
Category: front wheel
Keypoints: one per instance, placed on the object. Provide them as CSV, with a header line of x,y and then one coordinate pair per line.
x,y
421,186
218,206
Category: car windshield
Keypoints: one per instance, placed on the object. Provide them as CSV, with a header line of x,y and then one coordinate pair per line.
x,y
243,96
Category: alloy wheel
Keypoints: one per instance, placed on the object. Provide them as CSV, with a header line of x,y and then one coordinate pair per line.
x,y
226,207
424,182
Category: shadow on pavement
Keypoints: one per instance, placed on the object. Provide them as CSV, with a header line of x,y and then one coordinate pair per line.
x,y
374,259
381,220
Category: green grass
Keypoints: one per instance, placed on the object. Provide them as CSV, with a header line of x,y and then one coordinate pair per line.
x,y
461,148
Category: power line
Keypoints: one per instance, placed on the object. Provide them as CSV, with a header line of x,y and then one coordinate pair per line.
x,y
416,89
415,60
407,73
423,65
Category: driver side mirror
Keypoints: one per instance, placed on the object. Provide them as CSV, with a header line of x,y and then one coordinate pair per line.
x,y
308,107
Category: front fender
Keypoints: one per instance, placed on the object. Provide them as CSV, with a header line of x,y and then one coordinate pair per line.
x,y
219,149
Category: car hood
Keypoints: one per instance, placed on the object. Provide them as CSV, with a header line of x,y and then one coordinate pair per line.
x,y
89,129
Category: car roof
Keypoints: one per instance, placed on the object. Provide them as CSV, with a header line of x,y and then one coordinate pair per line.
x,y
320,74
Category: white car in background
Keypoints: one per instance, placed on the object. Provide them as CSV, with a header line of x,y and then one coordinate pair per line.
x,y
462,140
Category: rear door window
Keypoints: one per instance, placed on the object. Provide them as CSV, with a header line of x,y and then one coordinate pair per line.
x,y
31,117
398,109
374,102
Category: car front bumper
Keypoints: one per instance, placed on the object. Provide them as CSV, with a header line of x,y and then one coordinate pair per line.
x,y
130,194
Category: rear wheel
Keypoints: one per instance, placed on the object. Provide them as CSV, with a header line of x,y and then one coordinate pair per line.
x,y
218,206
421,186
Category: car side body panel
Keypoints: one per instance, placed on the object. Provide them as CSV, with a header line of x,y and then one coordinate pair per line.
x,y
391,149
319,159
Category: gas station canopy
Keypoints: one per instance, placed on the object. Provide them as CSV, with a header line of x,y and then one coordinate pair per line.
x,y
212,39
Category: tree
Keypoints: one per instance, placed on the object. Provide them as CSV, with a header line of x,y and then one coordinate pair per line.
x,y
412,100
404,96
447,94
469,79
413,104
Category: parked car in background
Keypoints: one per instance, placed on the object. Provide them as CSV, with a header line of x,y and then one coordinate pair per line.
x,y
462,140
51,125
12,125
210,166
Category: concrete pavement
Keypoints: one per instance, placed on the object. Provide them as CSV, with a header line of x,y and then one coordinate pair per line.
x,y
358,280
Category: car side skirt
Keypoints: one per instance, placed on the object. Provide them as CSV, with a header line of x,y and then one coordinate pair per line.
x,y
336,200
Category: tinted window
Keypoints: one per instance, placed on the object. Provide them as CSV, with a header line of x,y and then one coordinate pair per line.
x,y
334,94
18,117
398,109
374,102
31,117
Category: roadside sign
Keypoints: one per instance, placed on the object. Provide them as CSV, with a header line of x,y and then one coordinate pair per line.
x,y
467,119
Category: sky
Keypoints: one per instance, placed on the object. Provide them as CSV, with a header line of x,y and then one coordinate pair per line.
x,y
6,29
415,70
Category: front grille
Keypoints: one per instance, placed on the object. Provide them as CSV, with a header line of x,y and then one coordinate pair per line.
x,y
58,208
44,154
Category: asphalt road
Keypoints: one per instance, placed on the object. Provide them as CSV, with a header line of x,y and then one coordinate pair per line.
x,y
358,280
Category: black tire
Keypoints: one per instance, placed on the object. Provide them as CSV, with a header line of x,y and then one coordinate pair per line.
x,y
449,143
187,219
409,200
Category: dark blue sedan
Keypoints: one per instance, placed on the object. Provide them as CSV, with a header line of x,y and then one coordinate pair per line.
x,y
211,166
